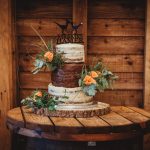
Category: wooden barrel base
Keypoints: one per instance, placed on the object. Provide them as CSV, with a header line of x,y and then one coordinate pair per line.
x,y
79,111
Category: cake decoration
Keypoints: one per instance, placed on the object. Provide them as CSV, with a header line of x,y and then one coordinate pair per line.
x,y
96,78
73,83
67,36
48,57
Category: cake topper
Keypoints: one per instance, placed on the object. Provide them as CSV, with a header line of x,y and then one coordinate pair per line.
x,y
63,27
75,27
69,36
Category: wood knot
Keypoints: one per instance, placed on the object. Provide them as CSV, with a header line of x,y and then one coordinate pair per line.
x,y
130,62
126,57
106,25
105,41
39,28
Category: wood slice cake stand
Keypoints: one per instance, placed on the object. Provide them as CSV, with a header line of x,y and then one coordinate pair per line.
x,y
82,110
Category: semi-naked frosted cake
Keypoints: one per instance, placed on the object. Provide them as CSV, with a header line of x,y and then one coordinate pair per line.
x,y
66,96
65,79
72,53
75,95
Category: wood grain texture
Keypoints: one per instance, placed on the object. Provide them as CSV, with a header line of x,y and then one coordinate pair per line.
x,y
117,122
119,97
81,7
15,117
126,81
140,111
109,27
46,27
119,63
147,60
7,75
137,118
29,44
66,125
37,122
116,9
115,45
44,9
39,81
116,27
94,125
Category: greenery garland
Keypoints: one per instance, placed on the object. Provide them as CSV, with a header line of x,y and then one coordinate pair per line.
x,y
49,59
41,99
96,78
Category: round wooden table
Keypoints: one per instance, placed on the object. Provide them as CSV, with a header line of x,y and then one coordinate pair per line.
x,y
121,123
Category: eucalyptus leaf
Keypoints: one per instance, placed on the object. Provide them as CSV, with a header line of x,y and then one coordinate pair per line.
x,y
90,90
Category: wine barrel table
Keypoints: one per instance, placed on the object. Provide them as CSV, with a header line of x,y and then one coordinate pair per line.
x,y
120,124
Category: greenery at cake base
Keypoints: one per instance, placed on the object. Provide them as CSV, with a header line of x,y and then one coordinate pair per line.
x,y
96,78
41,99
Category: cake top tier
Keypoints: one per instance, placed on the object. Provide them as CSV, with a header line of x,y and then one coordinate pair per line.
x,y
71,52
70,45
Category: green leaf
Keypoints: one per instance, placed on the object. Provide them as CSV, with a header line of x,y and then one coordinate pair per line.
x,y
80,82
90,90
39,63
51,108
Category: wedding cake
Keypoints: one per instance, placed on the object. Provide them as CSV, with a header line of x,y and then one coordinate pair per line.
x,y
73,83
65,79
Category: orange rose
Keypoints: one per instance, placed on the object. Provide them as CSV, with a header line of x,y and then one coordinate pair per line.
x,y
39,94
89,80
49,56
93,74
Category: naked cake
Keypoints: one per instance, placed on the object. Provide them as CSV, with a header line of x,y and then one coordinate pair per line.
x,y
73,84
65,79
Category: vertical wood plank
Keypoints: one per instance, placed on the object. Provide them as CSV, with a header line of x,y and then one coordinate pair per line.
x,y
147,60
7,69
80,15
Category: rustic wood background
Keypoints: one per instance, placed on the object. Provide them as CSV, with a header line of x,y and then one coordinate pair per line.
x,y
115,29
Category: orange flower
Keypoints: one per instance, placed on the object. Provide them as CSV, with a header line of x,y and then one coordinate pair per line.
x,y
89,80
49,56
39,94
93,74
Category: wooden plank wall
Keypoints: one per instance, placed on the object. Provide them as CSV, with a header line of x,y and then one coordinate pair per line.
x,y
116,34
147,60
115,30
7,70
41,15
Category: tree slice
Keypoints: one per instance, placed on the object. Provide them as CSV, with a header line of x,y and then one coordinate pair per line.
x,y
79,111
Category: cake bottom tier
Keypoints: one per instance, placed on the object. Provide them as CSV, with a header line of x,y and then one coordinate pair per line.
x,y
79,110
69,95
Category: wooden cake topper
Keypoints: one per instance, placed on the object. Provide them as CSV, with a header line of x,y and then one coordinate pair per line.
x,y
69,37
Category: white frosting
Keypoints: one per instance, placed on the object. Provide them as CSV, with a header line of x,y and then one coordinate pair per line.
x,y
71,52
75,95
